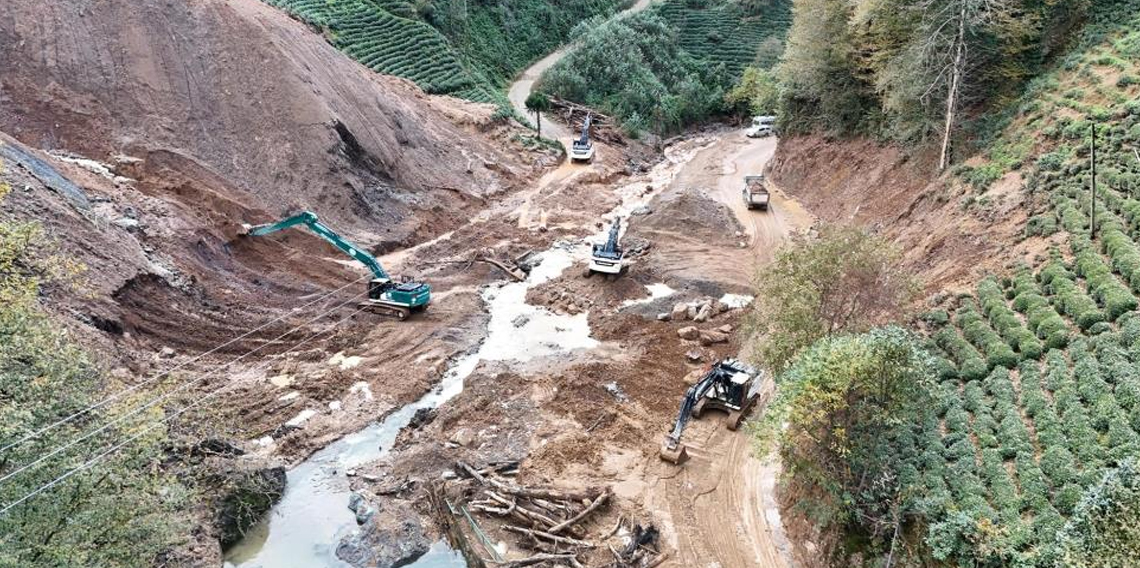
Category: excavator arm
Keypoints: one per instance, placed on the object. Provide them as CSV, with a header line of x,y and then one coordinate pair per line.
x,y
310,220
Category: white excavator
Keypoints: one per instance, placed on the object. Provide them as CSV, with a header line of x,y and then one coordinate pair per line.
x,y
608,258
582,148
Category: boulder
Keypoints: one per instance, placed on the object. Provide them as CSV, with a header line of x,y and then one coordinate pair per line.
x,y
711,336
395,538
664,316
692,311
463,437
704,313
725,328
689,333
679,311
694,355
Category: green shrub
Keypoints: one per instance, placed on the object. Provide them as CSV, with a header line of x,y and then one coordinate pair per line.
x,y
1068,296
1006,322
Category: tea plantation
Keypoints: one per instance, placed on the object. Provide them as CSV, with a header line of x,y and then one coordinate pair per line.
x,y
1040,367
468,50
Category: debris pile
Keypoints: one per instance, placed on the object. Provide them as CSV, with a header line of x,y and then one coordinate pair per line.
x,y
549,524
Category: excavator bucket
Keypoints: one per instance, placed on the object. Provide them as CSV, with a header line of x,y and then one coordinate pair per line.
x,y
675,456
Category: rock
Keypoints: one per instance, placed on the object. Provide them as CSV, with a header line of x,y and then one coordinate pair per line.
x,y
703,314
721,307
350,472
689,332
709,337
395,538
354,501
463,437
166,353
679,311
520,320
693,377
692,311
421,418
370,478
694,355
725,328
643,210
664,316
130,225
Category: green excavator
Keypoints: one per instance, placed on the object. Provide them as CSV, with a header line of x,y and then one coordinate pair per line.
x,y
397,299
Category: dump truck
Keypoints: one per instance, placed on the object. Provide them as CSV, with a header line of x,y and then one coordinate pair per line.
x,y
755,192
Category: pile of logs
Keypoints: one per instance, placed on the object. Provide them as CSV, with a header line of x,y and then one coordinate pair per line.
x,y
549,522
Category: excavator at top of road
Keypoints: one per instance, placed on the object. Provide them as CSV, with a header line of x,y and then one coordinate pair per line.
x,y
385,297
582,148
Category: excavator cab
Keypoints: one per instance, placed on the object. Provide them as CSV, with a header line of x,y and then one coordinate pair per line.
x,y
730,385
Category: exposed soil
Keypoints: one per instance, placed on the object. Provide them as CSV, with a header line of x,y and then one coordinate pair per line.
x,y
950,234
215,113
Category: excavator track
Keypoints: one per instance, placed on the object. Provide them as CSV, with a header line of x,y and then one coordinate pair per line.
x,y
388,310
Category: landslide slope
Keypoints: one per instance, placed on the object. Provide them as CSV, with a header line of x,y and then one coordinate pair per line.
x,y
230,112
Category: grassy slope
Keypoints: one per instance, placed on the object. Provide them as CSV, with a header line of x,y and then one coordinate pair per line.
x,y
466,49
1041,387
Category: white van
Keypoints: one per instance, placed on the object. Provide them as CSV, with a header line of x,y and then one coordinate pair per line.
x,y
761,126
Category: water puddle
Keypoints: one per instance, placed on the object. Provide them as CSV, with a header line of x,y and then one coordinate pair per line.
x,y
313,515
656,292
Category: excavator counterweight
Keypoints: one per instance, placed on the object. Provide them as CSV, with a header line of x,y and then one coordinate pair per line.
x,y
396,299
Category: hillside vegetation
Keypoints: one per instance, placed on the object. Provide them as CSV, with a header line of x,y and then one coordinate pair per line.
x,y
122,512
469,50
671,65
1033,430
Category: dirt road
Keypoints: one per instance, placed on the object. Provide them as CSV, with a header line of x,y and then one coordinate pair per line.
x,y
524,84
719,509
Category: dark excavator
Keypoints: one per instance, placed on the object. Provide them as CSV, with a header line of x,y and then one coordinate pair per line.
x,y
729,386
396,299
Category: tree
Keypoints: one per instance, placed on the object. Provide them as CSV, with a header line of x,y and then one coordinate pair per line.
x,y
1103,531
756,93
845,410
845,280
538,103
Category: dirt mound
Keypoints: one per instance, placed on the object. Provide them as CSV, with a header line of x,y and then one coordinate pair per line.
x,y
247,95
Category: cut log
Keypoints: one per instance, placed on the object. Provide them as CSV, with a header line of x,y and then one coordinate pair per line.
x,y
597,503
546,492
547,536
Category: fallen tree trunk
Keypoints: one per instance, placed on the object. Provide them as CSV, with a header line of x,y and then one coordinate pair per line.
x,y
547,536
597,503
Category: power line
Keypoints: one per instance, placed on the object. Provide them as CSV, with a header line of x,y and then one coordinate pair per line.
x,y
128,390
152,402
113,449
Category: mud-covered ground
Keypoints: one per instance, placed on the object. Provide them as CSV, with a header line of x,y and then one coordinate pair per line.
x,y
595,417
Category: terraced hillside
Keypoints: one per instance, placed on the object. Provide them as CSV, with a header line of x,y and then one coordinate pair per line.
x,y
1040,377
669,66
724,32
466,50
